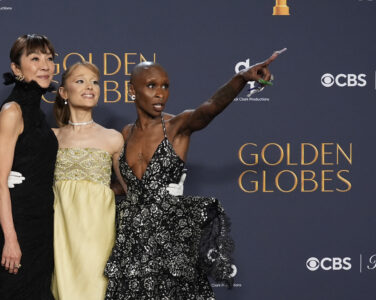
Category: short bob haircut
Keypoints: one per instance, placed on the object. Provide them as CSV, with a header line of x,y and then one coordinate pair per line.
x,y
30,43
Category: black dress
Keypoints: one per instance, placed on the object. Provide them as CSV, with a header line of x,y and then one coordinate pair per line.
x,y
32,201
166,246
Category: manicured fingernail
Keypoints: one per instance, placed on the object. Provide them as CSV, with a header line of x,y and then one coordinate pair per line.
x,y
262,81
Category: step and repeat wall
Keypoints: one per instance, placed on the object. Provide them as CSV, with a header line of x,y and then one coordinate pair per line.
x,y
293,165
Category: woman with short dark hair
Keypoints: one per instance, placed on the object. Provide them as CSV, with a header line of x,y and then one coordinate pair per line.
x,y
28,145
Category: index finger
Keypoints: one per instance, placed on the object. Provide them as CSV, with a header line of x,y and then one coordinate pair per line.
x,y
274,56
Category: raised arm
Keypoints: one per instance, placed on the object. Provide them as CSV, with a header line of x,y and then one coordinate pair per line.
x,y
11,126
197,119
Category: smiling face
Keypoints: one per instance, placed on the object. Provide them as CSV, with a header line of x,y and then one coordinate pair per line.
x,y
150,86
81,88
36,66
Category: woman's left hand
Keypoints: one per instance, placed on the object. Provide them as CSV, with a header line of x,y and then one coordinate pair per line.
x,y
177,189
14,178
260,70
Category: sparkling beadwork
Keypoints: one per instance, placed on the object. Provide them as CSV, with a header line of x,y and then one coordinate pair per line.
x,y
83,164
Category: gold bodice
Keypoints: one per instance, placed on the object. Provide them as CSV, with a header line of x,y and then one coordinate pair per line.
x,y
83,164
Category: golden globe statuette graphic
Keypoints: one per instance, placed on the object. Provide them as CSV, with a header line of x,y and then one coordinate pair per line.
x,y
281,8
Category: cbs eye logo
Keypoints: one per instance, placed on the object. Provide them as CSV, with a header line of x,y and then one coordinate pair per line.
x,y
344,80
329,263
327,80
313,264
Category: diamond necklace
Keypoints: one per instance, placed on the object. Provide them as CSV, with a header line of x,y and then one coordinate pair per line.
x,y
80,123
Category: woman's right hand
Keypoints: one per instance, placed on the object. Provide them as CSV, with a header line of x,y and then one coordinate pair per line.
x,y
11,256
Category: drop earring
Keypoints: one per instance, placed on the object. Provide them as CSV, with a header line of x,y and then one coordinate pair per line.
x,y
65,101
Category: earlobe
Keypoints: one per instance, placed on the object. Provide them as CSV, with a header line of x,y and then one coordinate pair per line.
x,y
63,93
16,69
131,89
132,92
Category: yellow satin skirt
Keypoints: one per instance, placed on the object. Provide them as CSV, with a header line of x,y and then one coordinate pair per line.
x,y
84,234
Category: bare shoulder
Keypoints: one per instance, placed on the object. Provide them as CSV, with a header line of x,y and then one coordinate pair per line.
x,y
113,134
11,116
126,130
167,116
11,108
112,137
61,130
61,134
56,131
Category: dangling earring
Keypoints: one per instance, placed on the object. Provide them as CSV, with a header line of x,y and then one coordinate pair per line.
x,y
65,101
133,97
20,77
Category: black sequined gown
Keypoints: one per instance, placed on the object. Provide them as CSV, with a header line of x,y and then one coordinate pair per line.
x,y
32,201
166,246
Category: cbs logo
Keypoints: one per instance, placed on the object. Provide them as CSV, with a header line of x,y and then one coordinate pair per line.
x,y
329,263
343,80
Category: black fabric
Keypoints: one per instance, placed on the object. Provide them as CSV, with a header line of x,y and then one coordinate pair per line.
x,y
166,246
32,201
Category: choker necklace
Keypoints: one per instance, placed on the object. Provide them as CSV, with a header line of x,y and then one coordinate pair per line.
x,y
80,123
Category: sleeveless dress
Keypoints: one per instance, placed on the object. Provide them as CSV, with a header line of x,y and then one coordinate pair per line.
x,y
84,224
32,201
166,246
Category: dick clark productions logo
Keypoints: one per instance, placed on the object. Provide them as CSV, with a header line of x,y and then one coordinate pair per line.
x,y
329,263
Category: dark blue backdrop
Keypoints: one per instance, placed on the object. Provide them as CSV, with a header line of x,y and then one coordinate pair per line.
x,y
199,43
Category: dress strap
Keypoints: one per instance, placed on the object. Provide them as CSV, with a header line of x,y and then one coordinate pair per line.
x,y
164,127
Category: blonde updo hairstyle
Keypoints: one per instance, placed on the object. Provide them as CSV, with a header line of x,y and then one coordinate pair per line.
x,y
61,110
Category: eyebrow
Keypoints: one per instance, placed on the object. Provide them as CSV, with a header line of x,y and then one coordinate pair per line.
x,y
39,52
83,75
155,78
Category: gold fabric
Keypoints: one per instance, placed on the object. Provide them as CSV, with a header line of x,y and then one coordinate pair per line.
x,y
84,223
83,164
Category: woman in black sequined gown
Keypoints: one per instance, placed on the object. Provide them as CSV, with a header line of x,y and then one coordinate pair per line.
x,y
28,145
167,246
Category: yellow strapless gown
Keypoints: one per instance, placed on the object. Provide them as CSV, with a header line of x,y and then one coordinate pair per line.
x,y
84,223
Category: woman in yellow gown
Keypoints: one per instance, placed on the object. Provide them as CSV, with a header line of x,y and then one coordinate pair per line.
x,y
84,221
84,203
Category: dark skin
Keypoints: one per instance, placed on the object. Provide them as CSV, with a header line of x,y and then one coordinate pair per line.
x,y
149,84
